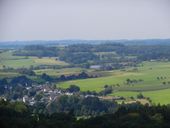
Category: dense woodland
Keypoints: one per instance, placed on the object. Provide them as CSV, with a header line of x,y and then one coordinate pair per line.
x,y
130,116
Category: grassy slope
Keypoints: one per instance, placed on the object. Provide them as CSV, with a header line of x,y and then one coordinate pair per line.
x,y
148,75
151,87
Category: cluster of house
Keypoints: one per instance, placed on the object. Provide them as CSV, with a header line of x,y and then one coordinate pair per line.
x,y
44,93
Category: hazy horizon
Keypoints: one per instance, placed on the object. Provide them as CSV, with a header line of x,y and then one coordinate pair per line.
x,y
25,20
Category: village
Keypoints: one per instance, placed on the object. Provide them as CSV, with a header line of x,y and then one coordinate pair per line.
x,y
45,93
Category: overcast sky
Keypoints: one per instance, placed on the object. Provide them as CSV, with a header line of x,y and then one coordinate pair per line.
x,y
84,19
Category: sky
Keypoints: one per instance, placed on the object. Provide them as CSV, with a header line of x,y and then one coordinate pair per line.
x,y
84,19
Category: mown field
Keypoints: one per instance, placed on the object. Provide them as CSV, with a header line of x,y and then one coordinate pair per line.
x,y
58,72
150,86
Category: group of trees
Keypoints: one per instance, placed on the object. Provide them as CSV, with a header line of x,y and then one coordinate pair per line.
x,y
73,89
82,75
26,81
76,89
127,116
161,77
22,80
78,58
18,80
132,116
26,71
81,106
107,90
164,83
140,96
37,50
133,81
15,88
3,83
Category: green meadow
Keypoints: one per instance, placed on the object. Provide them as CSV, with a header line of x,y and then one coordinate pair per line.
x,y
158,96
157,89
8,60
58,72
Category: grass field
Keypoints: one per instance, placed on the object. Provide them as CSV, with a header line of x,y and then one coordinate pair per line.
x,y
58,72
8,60
8,74
158,96
70,71
147,71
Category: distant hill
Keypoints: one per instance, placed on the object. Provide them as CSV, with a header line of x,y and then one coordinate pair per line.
x,y
18,44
